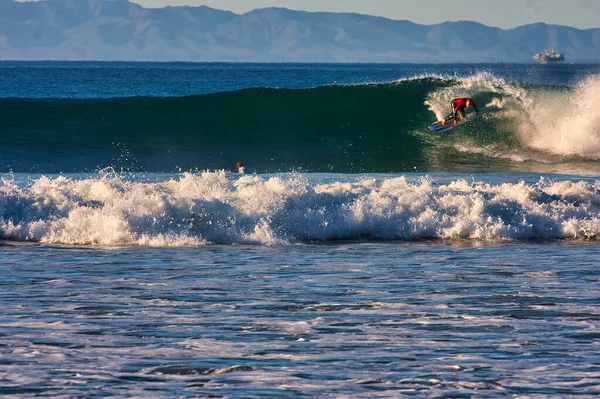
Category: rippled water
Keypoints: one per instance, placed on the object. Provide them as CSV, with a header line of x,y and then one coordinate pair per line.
x,y
195,282
424,319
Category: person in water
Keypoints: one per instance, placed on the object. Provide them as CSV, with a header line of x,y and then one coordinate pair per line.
x,y
458,108
242,169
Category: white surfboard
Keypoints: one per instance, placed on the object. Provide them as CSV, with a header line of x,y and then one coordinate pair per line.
x,y
441,126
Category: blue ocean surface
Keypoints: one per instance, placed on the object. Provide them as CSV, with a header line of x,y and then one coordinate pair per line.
x,y
367,257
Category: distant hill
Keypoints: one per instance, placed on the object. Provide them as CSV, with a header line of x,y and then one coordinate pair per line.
x,y
120,30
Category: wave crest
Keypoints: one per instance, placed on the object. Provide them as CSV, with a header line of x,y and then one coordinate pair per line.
x,y
378,127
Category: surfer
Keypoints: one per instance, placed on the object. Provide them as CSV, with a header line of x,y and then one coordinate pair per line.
x,y
242,169
458,107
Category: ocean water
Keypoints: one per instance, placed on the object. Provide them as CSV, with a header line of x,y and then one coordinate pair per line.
x,y
367,257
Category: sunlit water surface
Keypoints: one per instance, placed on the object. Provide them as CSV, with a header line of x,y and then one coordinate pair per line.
x,y
423,319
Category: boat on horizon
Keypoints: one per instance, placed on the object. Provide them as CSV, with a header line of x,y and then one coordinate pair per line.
x,y
547,58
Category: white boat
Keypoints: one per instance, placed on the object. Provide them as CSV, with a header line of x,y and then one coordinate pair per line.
x,y
547,58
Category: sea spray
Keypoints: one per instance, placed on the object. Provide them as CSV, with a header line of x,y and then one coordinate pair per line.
x,y
567,125
482,86
221,208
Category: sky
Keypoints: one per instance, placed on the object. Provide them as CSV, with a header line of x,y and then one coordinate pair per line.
x,y
504,14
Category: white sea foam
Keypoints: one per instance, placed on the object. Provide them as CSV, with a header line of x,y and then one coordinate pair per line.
x,y
216,207
565,124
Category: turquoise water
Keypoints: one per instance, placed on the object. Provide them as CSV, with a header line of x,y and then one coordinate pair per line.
x,y
366,258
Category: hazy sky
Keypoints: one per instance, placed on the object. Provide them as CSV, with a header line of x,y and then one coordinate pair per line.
x,y
501,13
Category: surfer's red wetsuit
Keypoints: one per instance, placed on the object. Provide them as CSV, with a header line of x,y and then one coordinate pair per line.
x,y
459,105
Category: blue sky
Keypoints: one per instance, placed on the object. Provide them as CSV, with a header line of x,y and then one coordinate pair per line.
x,y
501,13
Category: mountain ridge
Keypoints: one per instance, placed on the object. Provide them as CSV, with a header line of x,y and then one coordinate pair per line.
x,y
119,30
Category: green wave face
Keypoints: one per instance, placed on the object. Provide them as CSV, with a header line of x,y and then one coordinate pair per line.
x,y
345,129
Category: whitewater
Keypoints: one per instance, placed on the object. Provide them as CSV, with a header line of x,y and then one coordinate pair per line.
x,y
367,257
221,208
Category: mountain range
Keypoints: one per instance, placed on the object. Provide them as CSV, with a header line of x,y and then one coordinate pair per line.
x,y
118,30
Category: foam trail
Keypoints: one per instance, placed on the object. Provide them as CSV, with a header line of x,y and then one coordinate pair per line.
x,y
217,207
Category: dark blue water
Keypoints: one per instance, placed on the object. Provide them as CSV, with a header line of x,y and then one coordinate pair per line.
x,y
121,79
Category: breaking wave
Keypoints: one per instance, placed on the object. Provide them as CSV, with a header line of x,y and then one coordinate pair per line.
x,y
340,128
218,207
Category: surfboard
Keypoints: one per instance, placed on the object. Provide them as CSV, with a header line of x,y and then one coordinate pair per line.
x,y
449,125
